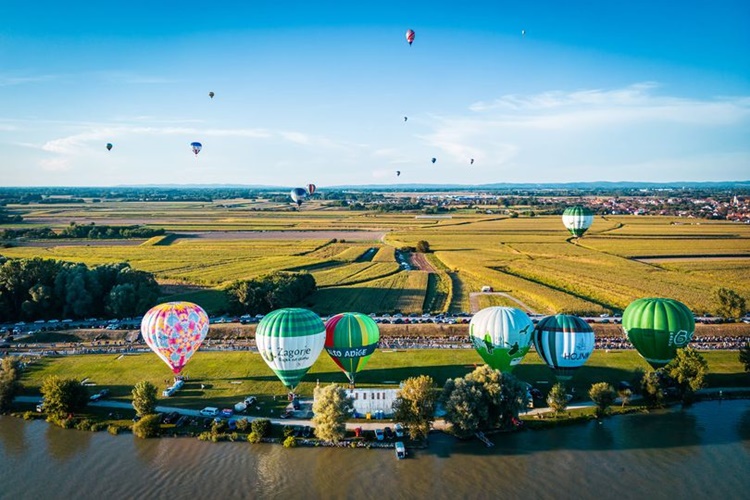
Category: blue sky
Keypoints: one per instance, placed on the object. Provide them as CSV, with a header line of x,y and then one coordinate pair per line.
x,y
317,92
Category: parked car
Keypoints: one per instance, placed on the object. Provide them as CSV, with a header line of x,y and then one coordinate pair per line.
x,y
379,434
227,412
250,400
398,430
388,433
209,411
100,395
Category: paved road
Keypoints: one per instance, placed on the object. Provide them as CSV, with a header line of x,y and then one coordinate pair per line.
x,y
474,301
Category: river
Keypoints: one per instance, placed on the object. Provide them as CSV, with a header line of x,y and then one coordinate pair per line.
x,y
702,452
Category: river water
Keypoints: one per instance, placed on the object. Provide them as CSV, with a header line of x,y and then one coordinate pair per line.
x,y
702,452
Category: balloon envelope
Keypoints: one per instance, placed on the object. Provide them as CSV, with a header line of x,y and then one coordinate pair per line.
x,y
657,328
311,189
211,95
502,336
410,36
398,173
290,340
577,219
564,342
351,338
196,147
109,146
434,160
174,331
298,195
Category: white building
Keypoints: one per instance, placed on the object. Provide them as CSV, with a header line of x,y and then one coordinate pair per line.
x,y
373,401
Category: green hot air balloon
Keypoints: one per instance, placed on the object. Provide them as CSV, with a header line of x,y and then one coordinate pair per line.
x,y
501,336
657,328
564,342
577,219
290,341
351,338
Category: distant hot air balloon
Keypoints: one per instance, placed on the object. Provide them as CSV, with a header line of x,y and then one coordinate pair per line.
x,y
398,173
196,146
523,32
502,336
406,118
434,160
109,146
174,331
310,189
577,219
657,328
410,36
471,162
289,341
298,195
351,338
211,95
564,342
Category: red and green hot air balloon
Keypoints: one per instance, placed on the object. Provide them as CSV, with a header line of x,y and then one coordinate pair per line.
x,y
351,338
564,342
657,328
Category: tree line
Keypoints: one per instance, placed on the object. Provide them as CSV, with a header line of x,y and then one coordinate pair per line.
x,y
87,231
273,291
37,288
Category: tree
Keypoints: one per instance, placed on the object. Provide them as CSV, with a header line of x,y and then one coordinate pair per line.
x,y
414,406
625,394
730,304
144,398
423,246
557,398
745,355
603,395
63,395
688,369
10,385
484,399
651,389
148,426
261,427
331,409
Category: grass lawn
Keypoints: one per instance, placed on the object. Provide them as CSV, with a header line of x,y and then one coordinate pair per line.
x,y
228,377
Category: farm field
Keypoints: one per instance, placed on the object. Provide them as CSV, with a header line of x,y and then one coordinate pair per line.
x,y
228,377
532,259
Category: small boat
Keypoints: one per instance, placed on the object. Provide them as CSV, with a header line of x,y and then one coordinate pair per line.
x,y
400,450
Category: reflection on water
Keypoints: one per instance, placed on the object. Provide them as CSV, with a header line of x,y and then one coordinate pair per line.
x,y
701,452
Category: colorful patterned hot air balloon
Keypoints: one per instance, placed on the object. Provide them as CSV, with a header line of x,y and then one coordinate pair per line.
x,y
310,189
657,328
109,146
298,195
290,340
577,219
410,36
564,342
351,338
196,147
174,331
502,336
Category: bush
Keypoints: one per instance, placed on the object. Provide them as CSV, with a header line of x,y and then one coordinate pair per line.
x,y
261,426
148,426
83,424
29,415
288,431
114,429
242,424
254,438
205,436
64,422
290,442
219,427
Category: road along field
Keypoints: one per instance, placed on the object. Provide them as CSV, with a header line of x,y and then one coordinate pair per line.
x,y
529,259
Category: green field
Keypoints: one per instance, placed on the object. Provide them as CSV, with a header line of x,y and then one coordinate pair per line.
x,y
533,259
230,376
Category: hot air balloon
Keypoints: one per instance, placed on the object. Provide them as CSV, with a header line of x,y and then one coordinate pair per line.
x,y
298,195
501,335
564,342
406,118
434,160
109,146
523,32
310,189
410,36
398,173
211,95
657,328
196,147
174,331
290,340
577,219
351,338
471,162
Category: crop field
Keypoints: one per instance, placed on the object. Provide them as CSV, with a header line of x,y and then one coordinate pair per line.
x,y
229,376
533,259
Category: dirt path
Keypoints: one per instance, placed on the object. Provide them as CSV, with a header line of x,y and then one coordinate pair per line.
x,y
474,301
420,262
